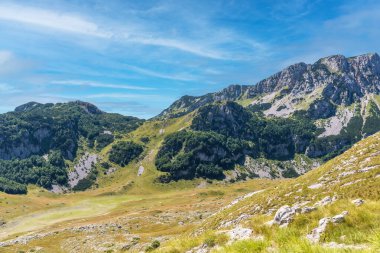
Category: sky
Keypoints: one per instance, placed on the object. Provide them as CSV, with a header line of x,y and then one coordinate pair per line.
x,y
138,57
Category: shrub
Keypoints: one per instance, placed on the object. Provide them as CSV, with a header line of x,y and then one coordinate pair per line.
x,y
124,152
12,187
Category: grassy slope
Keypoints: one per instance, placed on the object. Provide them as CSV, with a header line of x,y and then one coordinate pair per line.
x,y
361,226
122,198
136,202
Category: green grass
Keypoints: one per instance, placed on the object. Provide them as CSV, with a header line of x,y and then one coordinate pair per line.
x,y
124,195
360,227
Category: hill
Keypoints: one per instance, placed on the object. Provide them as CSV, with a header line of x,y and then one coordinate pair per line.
x,y
334,208
38,142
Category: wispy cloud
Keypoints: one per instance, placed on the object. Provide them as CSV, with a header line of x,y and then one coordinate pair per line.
x,y
10,64
51,19
5,56
124,95
86,83
7,89
180,77
135,32
183,46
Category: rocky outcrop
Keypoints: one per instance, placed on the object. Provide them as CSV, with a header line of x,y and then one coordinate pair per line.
x,y
29,143
317,232
82,169
26,107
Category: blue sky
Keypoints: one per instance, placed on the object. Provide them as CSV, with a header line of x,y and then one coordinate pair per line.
x,y
137,57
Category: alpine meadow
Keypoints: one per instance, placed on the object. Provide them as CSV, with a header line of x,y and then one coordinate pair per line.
x,y
189,126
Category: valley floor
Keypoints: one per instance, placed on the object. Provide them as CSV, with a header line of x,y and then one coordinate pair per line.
x,y
97,221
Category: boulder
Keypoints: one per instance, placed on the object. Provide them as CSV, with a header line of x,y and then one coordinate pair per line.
x,y
284,215
358,202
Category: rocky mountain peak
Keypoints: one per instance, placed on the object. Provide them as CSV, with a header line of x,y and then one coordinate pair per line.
x,y
337,78
336,63
88,107
232,92
26,107
366,64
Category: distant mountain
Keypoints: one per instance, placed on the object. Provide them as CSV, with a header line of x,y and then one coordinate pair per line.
x,y
35,129
281,127
314,110
319,88
36,138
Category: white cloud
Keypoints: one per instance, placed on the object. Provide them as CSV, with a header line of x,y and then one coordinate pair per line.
x,y
100,85
7,89
208,44
183,46
50,19
10,64
180,77
124,95
5,56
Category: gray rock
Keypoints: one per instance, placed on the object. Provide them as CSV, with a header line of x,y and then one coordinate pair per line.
x,y
308,209
325,201
140,171
316,233
239,233
284,215
358,202
82,168
338,218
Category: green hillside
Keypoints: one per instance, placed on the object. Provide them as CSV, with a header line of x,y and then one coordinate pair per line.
x,y
326,192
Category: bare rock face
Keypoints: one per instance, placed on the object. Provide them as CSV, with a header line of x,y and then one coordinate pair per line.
x,y
82,169
343,80
336,63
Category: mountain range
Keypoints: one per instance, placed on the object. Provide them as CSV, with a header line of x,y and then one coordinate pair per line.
x,y
290,164
282,126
